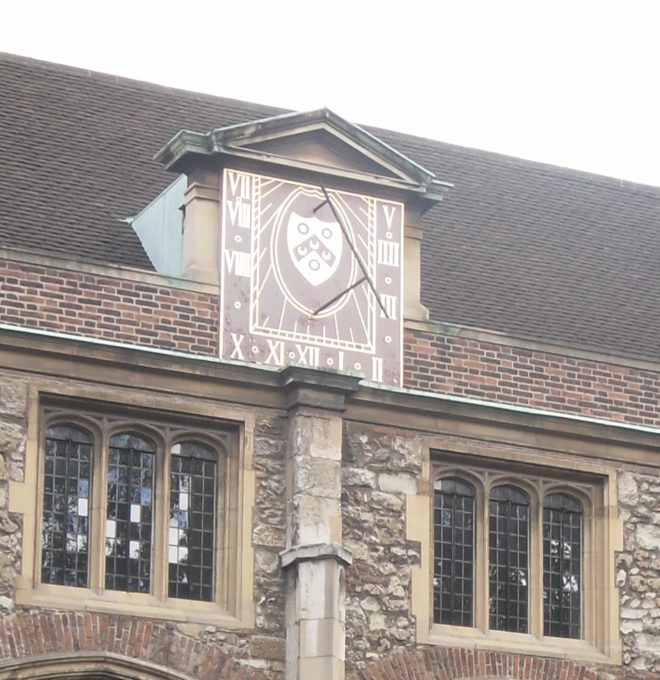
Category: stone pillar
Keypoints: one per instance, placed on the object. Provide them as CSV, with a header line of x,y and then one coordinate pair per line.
x,y
315,560
413,308
201,227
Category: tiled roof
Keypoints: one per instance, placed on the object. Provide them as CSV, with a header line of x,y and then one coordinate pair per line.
x,y
519,247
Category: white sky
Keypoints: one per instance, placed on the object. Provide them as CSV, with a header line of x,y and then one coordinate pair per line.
x,y
575,83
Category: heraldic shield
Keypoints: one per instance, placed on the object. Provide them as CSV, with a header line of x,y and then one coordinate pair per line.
x,y
315,247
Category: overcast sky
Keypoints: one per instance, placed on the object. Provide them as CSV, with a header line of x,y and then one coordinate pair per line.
x,y
574,83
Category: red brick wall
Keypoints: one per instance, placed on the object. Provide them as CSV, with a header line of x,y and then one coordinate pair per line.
x,y
479,370
23,636
451,663
108,308
138,313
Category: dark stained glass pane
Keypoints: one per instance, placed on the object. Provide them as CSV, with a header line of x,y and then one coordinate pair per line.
x,y
562,553
128,532
66,506
191,544
453,563
508,559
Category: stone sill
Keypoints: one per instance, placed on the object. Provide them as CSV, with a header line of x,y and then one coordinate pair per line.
x,y
128,604
520,643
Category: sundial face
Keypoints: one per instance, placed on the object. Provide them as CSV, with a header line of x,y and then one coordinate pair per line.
x,y
300,277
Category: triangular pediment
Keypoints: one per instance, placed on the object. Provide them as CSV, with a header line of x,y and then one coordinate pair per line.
x,y
317,141
321,147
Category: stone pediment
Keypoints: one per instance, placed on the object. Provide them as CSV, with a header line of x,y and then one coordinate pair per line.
x,y
317,141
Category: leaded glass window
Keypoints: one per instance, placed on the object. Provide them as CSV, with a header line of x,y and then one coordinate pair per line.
x,y
562,550
192,521
66,507
453,569
128,528
508,559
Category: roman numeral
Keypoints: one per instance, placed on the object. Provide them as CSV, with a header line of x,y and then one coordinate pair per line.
x,y
238,262
389,302
240,185
308,356
388,253
239,213
389,211
275,352
377,369
237,352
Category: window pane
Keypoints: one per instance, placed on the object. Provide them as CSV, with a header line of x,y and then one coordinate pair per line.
x,y
509,557
66,506
191,543
128,531
453,567
562,551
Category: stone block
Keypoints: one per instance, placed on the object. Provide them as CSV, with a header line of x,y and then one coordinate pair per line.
x,y
267,647
647,536
12,440
13,397
397,483
628,491
358,477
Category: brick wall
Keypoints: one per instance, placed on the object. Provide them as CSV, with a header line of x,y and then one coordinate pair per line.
x,y
73,633
135,312
451,663
480,370
108,308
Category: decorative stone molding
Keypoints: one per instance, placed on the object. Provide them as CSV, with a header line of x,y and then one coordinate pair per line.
x,y
313,553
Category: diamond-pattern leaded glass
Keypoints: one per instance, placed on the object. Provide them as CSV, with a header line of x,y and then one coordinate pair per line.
x,y
65,530
128,529
453,564
191,543
562,549
509,559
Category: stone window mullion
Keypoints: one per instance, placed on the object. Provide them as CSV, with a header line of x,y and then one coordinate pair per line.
x,y
481,561
99,502
159,548
536,568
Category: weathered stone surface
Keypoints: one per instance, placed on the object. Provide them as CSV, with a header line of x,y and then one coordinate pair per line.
x,y
359,477
628,493
638,575
397,483
12,440
267,647
380,470
13,397
647,536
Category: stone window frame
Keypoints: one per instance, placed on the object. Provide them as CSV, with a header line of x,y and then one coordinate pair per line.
x,y
538,475
229,431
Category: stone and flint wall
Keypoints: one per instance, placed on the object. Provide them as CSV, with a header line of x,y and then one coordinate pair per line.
x,y
207,652
380,468
638,571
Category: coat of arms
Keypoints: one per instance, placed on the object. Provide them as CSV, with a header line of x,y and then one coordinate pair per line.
x,y
315,247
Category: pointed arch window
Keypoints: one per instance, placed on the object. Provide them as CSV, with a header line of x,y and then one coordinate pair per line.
x,y
192,525
129,513
66,495
453,571
508,543
562,566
